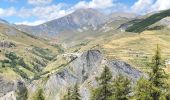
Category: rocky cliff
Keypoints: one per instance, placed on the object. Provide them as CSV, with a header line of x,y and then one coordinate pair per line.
x,y
83,70
9,89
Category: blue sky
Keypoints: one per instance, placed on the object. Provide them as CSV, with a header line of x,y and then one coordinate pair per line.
x,y
34,12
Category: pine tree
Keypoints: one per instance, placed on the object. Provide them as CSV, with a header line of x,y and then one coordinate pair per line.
x,y
157,76
122,88
39,95
72,93
104,91
143,89
75,94
155,88
68,95
22,94
21,91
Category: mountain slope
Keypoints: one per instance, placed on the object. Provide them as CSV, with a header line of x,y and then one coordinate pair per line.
x,y
72,22
3,21
143,24
83,21
29,53
89,41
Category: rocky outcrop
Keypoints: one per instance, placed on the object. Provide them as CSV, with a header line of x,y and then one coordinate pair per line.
x,y
83,70
6,44
9,89
5,86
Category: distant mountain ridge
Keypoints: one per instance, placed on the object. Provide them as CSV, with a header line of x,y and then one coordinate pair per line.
x,y
78,21
72,22
3,21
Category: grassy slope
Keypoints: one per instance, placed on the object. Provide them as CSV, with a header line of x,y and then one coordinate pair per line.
x,y
142,25
24,44
133,48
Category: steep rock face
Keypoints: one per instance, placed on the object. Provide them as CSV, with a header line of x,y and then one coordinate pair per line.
x,y
83,70
5,86
8,89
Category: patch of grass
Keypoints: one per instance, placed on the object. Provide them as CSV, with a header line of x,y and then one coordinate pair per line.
x,y
59,47
38,75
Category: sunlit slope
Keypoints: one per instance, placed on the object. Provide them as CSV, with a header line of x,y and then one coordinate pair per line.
x,y
131,47
33,52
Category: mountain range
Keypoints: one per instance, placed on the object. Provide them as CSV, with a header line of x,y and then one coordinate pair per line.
x,y
75,48
79,21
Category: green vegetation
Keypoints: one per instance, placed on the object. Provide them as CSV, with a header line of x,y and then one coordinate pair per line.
x,y
156,87
121,88
117,89
39,95
44,53
60,48
38,75
143,90
105,90
157,76
39,64
142,25
13,61
67,96
75,93
22,93
72,93
153,87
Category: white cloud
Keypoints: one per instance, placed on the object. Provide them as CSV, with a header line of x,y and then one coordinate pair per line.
x,y
160,5
44,12
49,12
146,6
7,12
30,23
97,4
39,2
142,6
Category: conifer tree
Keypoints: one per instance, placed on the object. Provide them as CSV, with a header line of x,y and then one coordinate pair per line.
x,y
104,91
72,93
158,76
39,95
68,95
22,94
75,94
122,88
143,89
155,88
